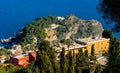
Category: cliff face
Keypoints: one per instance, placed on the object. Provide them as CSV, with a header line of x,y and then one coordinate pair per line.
x,y
78,28
54,29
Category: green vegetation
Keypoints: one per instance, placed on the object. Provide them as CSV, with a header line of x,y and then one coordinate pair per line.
x,y
44,63
82,62
98,69
110,12
113,64
61,31
34,29
67,41
63,62
71,62
46,60
5,52
107,34
71,26
83,32
92,57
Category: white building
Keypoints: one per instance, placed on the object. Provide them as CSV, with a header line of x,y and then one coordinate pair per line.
x,y
60,18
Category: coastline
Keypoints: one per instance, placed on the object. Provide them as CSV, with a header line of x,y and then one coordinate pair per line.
x,y
5,39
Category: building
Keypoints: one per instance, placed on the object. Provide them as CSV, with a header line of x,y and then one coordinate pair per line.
x,y
74,48
23,60
60,18
101,45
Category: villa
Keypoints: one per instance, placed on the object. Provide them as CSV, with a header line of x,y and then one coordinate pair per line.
x,y
101,45
23,60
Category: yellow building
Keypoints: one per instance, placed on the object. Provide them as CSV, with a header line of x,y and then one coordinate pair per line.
x,y
74,48
101,45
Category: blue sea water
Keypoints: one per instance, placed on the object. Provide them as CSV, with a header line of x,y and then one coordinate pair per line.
x,y
14,14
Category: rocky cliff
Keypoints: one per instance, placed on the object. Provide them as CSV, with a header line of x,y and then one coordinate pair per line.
x,y
57,28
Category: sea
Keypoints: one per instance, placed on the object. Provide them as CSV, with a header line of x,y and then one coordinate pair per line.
x,y
14,14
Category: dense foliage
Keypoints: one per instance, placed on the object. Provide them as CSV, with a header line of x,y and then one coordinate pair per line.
x,y
46,62
71,63
34,29
71,26
113,64
110,11
6,53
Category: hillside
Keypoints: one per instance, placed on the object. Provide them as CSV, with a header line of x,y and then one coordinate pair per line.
x,y
61,34
57,29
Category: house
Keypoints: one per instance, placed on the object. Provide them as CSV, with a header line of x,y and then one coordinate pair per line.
x,y
60,18
74,48
23,60
101,45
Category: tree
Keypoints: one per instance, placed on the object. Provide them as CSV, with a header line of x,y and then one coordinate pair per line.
x,y
70,62
110,11
37,70
43,62
63,62
79,62
98,69
86,59
92,57
114,57
55,66
67,41
2,70
114,50
107,34
45,45
92,50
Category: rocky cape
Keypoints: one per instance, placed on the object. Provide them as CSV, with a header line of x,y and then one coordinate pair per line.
x,y
57,29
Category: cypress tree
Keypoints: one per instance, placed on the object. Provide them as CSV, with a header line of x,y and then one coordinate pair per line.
x,y
92,57
114,57
63,62
55,66
45,45
37,70
98,69
43,62
70,62
86,59
85,62
79,62
92,51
